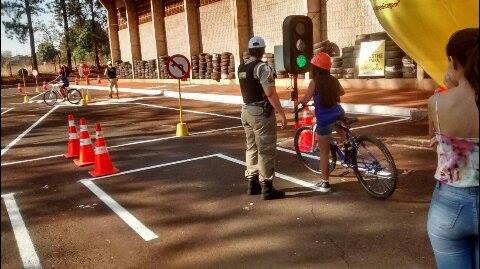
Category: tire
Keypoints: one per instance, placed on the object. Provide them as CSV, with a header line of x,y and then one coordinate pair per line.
x,y
337,70
394,54
348,62
379,36
394,61
347,49
338,76
363,169
390,75
409,75
347,54
336,64
74,96
310,157
393,48
50,98
337,59
349,70
406,69
349,76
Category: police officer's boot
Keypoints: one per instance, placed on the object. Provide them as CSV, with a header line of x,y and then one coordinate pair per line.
x,y
254,187
269,192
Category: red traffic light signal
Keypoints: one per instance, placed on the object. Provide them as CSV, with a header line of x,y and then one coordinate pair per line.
x,y
297,43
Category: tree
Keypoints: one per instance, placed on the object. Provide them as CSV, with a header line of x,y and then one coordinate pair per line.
x,y
48,53
15,28
7,60
59,8
84,39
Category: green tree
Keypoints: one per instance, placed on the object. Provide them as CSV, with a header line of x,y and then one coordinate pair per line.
x,y
85,36
16,28
48,53
7,60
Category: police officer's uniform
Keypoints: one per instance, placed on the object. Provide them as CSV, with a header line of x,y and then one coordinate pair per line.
x,y
111,73
259,122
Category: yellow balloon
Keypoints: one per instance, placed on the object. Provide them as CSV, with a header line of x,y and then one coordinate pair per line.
x,y
422,27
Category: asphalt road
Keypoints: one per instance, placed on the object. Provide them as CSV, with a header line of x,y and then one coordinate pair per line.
x,y
181,202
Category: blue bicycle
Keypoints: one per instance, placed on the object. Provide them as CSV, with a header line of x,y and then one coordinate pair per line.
x,y
367,156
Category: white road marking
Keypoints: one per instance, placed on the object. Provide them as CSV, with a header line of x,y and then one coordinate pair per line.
x,y
413,147
192,111
15,141
125,144
128,218
31,99
380,123
24,242
9,109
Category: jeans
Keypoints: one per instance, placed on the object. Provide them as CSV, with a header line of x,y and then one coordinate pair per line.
x,y
453,226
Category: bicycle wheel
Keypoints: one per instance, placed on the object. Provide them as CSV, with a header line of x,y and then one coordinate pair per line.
x,y
308,151
74,96
50,98
376,168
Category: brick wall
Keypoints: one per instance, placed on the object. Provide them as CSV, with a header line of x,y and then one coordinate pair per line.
x,y
176,32
268,16
346,19
125,49
216,21
147,41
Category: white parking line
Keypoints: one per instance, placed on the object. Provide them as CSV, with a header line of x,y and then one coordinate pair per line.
x,y
9,109
192,111
15,141
31,99
24,242
128,218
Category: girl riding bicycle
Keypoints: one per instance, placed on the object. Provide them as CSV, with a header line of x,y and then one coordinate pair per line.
x,y
326,91
63,79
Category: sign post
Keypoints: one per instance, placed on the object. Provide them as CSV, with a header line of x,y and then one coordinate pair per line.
x,y
86,73
179,67
35,74
25,97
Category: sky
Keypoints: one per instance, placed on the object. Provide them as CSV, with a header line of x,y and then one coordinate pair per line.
x,y
14,45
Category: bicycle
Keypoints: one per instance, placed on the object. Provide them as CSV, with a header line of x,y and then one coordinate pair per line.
x,y
50,97
377,178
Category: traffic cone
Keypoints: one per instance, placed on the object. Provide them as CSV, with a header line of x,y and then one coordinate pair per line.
x,y
305,141
19,88
45,86
73,147
98,79
307,117
86,155
103,164
76,81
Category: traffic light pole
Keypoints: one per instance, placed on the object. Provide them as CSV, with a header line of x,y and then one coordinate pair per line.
x,y
294,97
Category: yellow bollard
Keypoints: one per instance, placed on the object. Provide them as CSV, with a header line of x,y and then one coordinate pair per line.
x,y
36,89
182,129
25,99
84,101
87,96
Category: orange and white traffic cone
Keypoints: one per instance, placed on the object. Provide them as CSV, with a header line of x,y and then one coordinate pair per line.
x,y
19,88
307,117
86,155
99,81
73,147
76,81
45,86
103,164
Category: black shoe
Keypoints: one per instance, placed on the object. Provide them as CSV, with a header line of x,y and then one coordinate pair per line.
x,y
323,186
110,95
269,192
254,187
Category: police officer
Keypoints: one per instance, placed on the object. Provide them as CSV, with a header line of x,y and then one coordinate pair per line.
x,y
111,73
258,119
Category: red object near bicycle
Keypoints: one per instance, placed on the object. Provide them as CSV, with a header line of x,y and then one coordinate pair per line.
x,y
305,141
307,116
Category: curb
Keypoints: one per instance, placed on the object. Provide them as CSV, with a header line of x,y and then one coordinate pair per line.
x,y
237,100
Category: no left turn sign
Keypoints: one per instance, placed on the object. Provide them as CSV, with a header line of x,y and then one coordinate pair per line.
x,y
178,66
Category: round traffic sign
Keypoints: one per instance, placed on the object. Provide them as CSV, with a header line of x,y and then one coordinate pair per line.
x,y
178,66
86,69
35,73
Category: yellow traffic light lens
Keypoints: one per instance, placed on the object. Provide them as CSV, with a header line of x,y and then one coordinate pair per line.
x,y
301,61
300,45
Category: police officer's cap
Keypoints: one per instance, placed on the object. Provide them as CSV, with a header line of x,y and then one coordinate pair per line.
x,y
256,42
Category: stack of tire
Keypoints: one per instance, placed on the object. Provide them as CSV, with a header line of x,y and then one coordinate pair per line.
x,y
125,70
231,67
409,68
162,64
208,58
151,68
337,69
139,68
202,63
216,64
224,65
348,62
195,66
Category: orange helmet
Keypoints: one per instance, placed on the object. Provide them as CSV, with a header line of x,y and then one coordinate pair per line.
x,y
322,60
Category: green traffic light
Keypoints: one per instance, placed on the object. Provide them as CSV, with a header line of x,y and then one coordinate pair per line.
x,y
301,61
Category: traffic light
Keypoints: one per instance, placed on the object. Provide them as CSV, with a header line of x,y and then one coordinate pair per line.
x,y
297,43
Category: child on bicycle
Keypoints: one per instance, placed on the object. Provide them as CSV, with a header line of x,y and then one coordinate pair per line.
x,y
326,91
63,80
